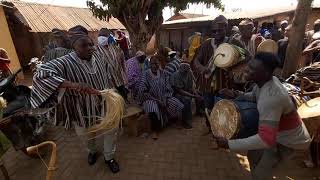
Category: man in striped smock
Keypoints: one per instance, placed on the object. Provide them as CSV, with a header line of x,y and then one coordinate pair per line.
x,y
281,130
62,44
157,96
82,73
173,63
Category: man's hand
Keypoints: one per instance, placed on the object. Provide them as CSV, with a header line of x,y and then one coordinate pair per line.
x,y
84,88
198,97
228,92
222,142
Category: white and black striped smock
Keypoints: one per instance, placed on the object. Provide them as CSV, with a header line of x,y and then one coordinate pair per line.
x,y
95,72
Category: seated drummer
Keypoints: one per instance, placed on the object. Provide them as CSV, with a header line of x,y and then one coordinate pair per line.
x,y
183,84
281,130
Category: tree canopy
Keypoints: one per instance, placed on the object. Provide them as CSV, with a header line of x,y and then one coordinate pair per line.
x,y
142,18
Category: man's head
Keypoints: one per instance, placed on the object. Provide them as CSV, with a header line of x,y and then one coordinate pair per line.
x,y
287,31
141,56
105,32
59,38
81,42
219,28
262,66
246,28
119,32
284,24
316,25
154,63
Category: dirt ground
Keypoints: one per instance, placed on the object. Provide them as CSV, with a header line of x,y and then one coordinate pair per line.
x,y
179,154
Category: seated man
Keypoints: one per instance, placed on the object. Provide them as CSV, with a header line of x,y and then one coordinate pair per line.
x,y
280,130
157,96
182,82
134,69
173,63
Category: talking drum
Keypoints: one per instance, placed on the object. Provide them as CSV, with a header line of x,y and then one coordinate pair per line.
x,y
310,114
234,119
226,55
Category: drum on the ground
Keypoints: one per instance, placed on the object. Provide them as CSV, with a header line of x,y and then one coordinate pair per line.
x,y
234,119
310,114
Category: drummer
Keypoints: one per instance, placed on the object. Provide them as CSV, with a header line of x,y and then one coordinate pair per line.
x,y
209,86
281,130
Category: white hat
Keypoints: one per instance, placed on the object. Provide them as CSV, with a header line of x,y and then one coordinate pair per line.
x,y
172,52
140,53
102,40
284,22
235,28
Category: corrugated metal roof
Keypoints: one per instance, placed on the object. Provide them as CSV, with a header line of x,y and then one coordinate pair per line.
x,y
43,17
253,14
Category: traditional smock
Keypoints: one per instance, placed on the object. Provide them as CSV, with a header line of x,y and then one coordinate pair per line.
x,y
158,87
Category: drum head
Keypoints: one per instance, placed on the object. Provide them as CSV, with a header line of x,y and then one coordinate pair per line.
x,y
268,46
225,119
225,56
310,109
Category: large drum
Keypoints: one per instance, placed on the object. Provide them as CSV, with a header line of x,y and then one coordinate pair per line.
x,y
227,55
234,119
310,114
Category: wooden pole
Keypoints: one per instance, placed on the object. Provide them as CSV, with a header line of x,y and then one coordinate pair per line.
x,y
296,37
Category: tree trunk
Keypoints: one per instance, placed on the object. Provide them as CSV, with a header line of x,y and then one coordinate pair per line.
x,y
139,40
296,37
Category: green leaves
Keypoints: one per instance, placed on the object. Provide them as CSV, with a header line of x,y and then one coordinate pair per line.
x,y
116,8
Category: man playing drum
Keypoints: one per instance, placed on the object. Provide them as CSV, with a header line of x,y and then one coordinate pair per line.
x,y
280,130
209,86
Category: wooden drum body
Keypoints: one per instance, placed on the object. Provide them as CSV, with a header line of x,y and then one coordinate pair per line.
x,y
310,114
234,119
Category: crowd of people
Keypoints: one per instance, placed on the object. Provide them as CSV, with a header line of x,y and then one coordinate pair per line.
x,y
165,84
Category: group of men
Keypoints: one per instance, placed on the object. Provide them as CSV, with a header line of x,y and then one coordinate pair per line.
x,y
280,130
165,86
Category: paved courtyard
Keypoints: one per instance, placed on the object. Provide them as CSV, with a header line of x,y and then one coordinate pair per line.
x,y
178,155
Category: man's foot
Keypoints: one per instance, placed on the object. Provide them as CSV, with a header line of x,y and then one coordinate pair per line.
x,y
206,132
92,158
113,165
187,126
155,136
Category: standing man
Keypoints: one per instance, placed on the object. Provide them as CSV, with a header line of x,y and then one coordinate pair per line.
x,y
62,46
210,85
134,69
283,25
116,66
247,39
282,45
82,73
281,130
123,43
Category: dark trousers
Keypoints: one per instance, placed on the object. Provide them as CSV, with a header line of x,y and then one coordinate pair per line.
x,y
187,109
155,122
123,91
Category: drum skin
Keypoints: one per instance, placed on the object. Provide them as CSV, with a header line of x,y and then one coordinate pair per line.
x,y
234,119
226,56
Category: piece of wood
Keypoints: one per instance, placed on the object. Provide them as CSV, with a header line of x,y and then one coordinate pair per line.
x,y
296,37
4,171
